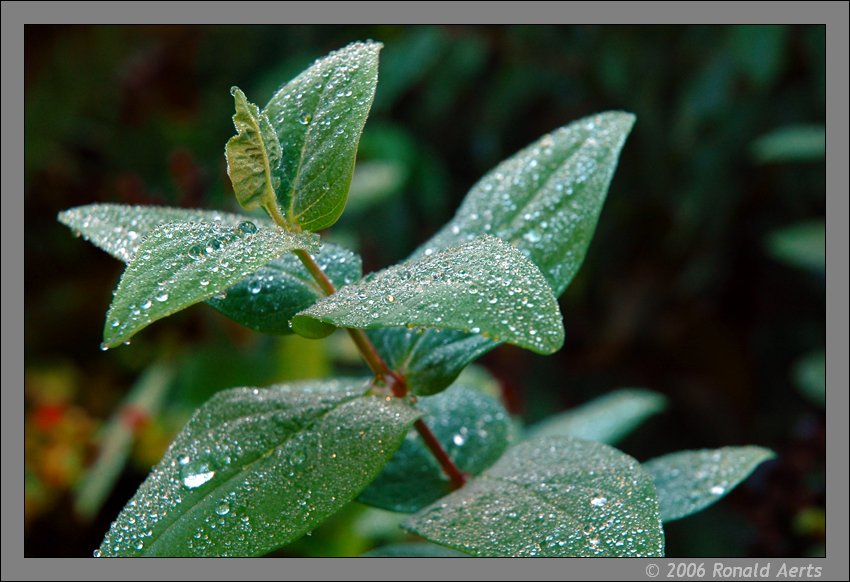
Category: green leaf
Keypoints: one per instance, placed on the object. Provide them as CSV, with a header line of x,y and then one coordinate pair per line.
x,y
414,550
267,300
181,264
119,229
607,419
545,201
794,143
474,430
690,481
116,438
802,245
810,376
484,287
264,302
256,468
318,118
553,496
253,157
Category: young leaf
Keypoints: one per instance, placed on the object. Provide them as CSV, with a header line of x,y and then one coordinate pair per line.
x,y
484,286
255,469
267,300
414,550
181,264
119,229
473,428
690,481
253,157
545,200
607,419
318,117
553,496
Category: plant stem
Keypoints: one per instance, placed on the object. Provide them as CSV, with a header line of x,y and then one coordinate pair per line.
x,y
449,468
383,372
376,363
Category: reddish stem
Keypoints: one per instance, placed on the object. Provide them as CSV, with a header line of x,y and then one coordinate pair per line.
x,y
457,477
394,380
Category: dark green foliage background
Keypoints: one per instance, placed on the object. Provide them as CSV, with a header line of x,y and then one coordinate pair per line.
x,y
678,293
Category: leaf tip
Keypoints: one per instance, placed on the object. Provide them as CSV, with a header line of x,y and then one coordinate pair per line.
x,y
310,327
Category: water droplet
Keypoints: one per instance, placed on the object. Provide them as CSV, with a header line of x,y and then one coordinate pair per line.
x,y
115,323
162,296
532,236
598,501
96,553
246,227
718,490
305,118
213,245
223,508
255,286
389,298
146,304
103,347
196,252
196,473
458,439
204,282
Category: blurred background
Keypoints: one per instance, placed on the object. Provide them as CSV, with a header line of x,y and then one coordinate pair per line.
x,y
705,281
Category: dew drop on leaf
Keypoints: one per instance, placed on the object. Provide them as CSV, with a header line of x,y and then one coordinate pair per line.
x,y
196,473
213,245
196,252
246,227
255,286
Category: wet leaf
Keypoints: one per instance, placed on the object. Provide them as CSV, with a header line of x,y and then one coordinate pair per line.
x,y
414,550
268,299
256,468
690,481
552,496
181,264
607,419
474,430
484,287
264,302
545,200
119,229
253,157
318,118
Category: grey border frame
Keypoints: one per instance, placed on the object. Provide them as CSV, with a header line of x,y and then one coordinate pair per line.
x,y
16,14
